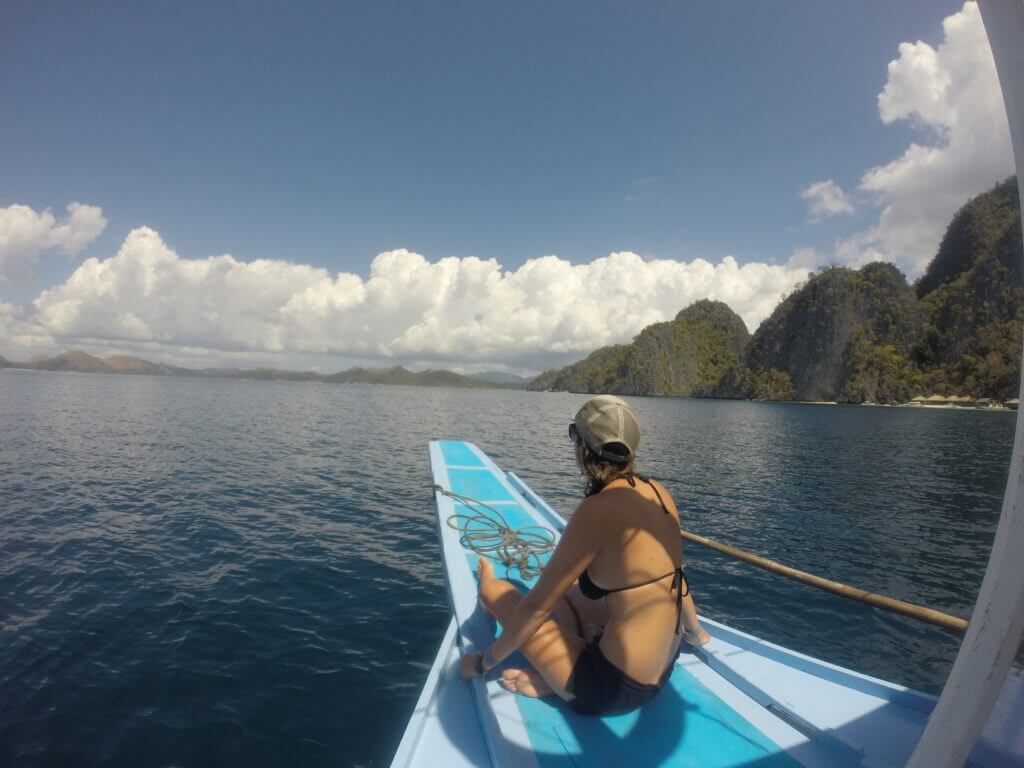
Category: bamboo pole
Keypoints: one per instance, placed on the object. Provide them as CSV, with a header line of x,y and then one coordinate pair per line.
x,y
944,620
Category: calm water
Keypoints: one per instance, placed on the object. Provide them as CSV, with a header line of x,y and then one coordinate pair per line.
x,y
208,573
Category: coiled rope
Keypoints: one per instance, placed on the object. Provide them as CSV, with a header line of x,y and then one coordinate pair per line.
x,y
488,533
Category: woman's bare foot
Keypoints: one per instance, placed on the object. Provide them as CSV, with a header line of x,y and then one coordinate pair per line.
x,y
484,570
525,682
696,638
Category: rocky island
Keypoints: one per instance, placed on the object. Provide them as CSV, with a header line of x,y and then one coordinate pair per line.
x,y
847,335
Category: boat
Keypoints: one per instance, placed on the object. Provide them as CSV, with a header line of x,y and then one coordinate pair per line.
x,y
739,700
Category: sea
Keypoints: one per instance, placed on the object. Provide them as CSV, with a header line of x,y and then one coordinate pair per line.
x,y
223,572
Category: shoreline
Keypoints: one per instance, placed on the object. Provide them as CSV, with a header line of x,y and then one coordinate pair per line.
x,y
498,387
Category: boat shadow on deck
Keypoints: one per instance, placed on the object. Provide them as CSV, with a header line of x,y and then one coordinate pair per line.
x,y
685,724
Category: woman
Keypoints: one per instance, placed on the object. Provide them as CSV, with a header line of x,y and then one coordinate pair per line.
x,y
602,626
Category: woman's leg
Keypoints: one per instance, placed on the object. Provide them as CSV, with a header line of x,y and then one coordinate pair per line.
x,y
528,681
693,633
553,649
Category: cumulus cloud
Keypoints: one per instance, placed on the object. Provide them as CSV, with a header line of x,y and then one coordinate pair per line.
x,y
806,259
461,310
951,94
825,199
7,319
16,333
24,234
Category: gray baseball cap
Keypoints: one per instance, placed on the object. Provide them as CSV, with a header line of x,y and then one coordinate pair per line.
x,y
609,428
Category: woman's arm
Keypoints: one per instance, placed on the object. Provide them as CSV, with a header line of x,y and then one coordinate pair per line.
x,y
573,554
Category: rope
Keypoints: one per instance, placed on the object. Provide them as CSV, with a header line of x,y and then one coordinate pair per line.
x,y
488,534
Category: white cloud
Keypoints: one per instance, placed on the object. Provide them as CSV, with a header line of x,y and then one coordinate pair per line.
x,y
24,234
7,319
454,310
951,93
17,334
806,259
825,199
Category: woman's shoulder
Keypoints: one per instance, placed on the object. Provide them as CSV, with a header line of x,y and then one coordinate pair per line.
x,y
591,505
600,508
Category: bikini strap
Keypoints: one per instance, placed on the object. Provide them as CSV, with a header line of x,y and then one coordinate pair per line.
x,y
653,488
645,583
678,580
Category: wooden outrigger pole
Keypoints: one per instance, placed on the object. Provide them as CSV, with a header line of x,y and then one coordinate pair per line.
x,y
930,615
997,622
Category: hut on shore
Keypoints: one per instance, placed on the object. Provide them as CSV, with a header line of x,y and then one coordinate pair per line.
x,y
1012,403
935,400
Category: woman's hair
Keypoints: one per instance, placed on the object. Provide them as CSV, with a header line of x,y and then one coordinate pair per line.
x,y
597,471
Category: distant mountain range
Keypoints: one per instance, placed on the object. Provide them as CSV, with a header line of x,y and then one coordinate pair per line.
x,y
847,335
500,377
81,362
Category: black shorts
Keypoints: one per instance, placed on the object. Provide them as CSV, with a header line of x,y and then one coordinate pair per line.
x,y
601,688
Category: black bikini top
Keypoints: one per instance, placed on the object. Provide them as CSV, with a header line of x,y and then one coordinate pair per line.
x,y
591,591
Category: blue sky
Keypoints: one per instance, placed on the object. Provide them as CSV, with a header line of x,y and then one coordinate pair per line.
x,y
323,133
330,131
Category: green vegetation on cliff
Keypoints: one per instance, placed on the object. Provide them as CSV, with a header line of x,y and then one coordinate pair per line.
x,y
866,336
973,292
845,334
601,371
877,371
987,225
685,356
758,384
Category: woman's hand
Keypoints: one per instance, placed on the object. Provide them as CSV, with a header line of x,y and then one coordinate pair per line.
x,y
469,666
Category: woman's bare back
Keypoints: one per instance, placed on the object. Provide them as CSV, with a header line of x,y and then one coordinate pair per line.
x,y
639,540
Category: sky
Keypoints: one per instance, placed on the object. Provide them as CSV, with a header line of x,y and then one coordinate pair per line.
x,y
467,185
